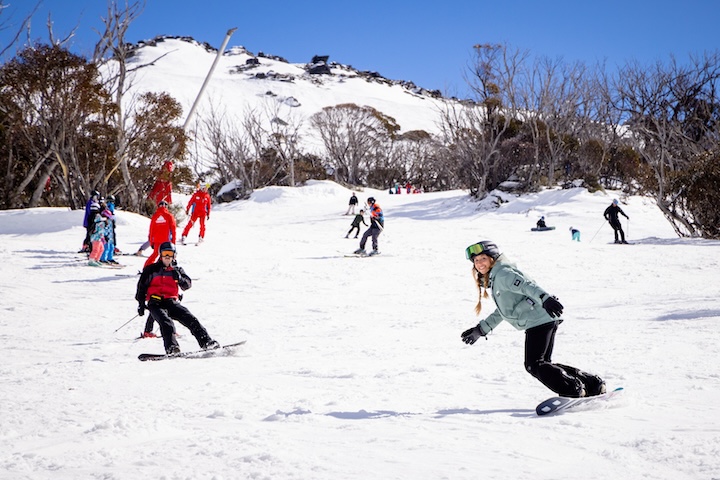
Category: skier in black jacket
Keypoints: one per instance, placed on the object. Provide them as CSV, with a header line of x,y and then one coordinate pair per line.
x,y
611,215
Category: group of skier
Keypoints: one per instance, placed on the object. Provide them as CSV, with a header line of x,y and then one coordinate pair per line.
x,y
158,289
377,224
518,299
99,223
161,279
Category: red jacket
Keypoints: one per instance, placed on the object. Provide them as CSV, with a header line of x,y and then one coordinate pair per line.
x,y
200,203
162,190
161,281
162,227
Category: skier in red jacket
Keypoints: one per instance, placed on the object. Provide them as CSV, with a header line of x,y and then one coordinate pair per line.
x,y
162,229
162,189
200,204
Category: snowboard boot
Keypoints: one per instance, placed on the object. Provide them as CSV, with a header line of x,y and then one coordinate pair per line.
x,y
374,252
360,251
210,344
593,384
172,350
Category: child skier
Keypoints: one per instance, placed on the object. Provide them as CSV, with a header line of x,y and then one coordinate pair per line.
x,y
97,237
355,225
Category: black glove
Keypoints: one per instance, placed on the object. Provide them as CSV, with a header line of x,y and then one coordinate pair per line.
x,y
471,335
553,307
141,309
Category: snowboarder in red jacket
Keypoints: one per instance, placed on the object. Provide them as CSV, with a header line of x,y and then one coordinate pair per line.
x,y
159,286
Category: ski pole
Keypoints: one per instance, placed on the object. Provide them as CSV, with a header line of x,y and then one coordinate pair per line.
x,y
593,238
121,326
628,222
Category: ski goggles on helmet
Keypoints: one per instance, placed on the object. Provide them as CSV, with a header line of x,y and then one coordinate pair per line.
x,y
475,249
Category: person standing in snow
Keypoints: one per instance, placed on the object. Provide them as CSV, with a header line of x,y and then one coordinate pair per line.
x,y
108,255
200,204
524,305
159,286
352,204
162,189
612,215
162,229
88,220
355,225
97,237
377,225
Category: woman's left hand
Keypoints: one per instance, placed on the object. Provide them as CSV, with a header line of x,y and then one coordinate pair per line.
x,y
553,307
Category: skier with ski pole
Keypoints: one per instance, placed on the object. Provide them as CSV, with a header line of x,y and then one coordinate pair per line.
x,y
611,214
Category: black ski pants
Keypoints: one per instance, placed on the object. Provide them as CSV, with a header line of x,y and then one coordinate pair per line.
x,y
617,227
168,309
539,343
373,232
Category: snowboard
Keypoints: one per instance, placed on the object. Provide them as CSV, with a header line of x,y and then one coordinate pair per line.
x,y
560,404
541,229
223,350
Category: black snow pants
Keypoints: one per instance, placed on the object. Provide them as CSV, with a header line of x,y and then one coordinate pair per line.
x,y
373,232
561,379
168,309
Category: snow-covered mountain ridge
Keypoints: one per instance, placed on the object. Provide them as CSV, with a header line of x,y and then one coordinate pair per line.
x,y
244,81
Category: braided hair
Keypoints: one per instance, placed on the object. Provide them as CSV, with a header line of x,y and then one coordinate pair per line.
x,y
482,284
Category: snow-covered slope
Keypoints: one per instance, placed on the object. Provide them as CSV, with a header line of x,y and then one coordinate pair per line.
x,y
354,368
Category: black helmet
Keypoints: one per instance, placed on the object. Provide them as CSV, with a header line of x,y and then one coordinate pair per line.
x,y
167,247
95,193
111,198
484,247
371,200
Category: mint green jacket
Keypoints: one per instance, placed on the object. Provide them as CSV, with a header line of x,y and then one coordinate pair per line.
x,y
517,297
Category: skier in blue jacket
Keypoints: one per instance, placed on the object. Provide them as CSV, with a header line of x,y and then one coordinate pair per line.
x,y
525,306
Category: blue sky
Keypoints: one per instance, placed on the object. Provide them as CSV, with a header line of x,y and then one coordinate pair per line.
x,y
429,43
